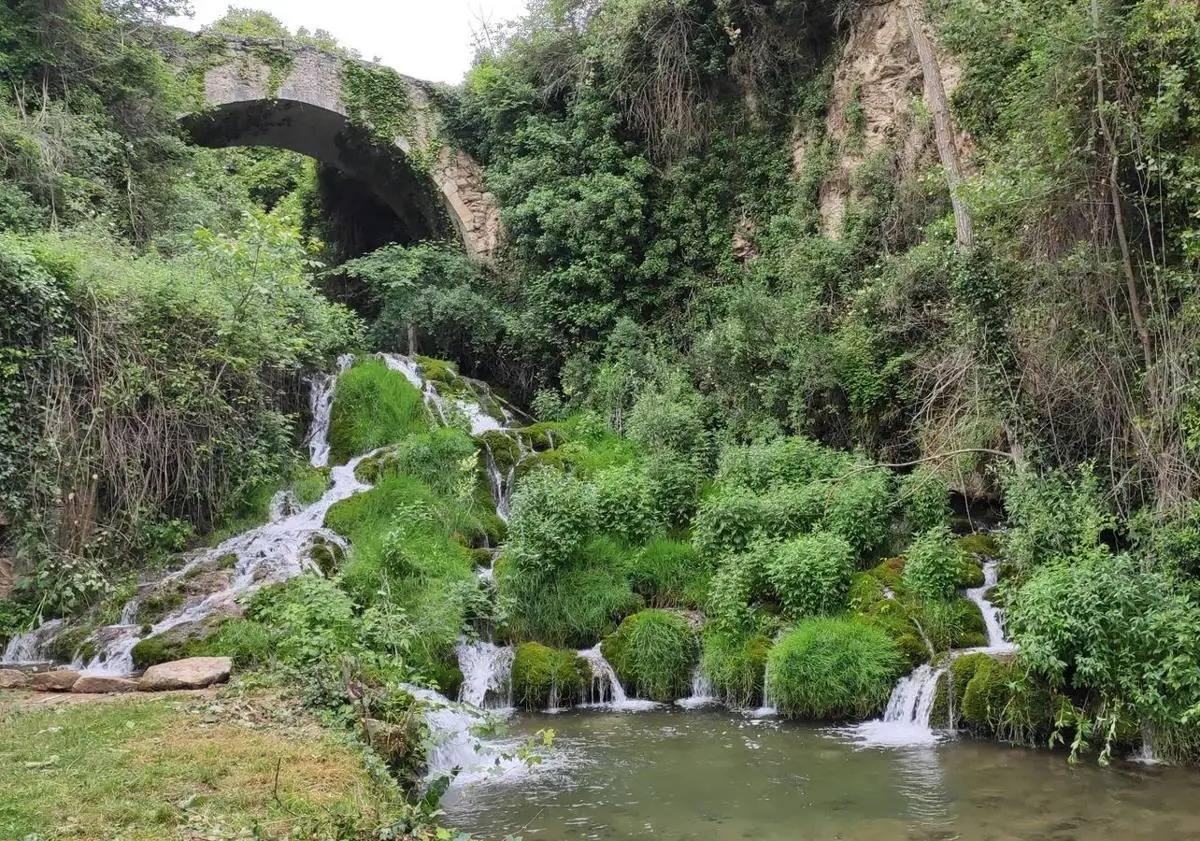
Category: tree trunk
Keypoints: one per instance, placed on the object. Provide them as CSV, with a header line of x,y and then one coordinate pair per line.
x,y
943,126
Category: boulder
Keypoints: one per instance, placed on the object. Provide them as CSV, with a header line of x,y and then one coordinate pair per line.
x,y
13,679
98,684
192,673
59,680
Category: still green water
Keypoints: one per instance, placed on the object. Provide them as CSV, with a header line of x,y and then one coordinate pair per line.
x,y
718,776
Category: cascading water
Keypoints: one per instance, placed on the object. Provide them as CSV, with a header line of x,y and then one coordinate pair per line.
x,y
703,693
454,745
606,689
321,407
993,618
268,554
28,648
906,721
487,675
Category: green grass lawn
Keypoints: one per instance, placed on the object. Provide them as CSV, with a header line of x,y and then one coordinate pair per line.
x,y
177,767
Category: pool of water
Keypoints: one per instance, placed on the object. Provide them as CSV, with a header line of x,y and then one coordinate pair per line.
x,y
718,776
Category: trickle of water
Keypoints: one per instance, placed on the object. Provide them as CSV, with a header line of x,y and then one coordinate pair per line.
x,y
703,693
993,617
487,675
606,689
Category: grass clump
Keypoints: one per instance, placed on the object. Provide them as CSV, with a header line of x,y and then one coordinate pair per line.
x,y
832,669
669,573
373,406
735,663
653,653
543,676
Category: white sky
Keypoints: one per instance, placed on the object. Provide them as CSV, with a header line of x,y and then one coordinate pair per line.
x,y
428,39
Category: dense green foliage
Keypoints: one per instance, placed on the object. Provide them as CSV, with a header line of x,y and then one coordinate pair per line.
x,y
653,653
831,669
547,677
374,406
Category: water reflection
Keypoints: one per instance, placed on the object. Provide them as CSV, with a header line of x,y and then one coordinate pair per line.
x,y
716,776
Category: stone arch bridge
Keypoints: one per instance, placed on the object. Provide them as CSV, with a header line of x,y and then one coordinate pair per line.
x,y
371,123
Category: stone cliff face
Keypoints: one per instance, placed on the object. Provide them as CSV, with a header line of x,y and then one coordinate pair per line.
x,y
875,104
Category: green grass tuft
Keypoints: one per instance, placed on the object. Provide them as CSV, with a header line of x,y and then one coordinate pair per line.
x,y
653,653
832,669
373,406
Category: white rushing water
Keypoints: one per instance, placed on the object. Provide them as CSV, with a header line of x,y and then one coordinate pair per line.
x,y
267,554
487,675
606,689
703,694
993,617
906,721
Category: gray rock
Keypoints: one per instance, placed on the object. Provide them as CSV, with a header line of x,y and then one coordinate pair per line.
x,y
59,680
97,684
13,679
192,673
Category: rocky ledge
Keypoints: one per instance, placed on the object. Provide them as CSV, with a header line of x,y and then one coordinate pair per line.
x,y
190,673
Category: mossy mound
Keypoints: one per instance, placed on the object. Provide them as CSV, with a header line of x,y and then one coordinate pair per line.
x,y
503,447
832,669
543,436
191,639
71,644
735,665
373,406
542,675
981,545
996,698
158,604
653,653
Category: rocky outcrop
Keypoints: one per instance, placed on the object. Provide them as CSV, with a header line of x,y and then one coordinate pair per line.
x,y
873,106
98,684
13,679
58,680
192,673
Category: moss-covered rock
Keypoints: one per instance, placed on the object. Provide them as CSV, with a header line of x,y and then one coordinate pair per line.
x,y
326,555
503,447
72,643
543,436
189,639
542,676
158,604
981,545
653,653
553,459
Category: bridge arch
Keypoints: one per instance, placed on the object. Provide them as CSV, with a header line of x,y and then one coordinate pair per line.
x,y
372,124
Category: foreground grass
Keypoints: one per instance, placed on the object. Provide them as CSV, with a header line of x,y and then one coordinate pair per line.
x,y
173,767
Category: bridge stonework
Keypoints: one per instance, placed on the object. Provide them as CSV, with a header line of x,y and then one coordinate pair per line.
x,y
272,92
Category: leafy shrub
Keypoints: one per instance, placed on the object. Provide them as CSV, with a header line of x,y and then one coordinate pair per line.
x,y
653,653
1052,516
373,406
810,574
736,584
552,515
830,669
926,500
735,663
1104,624
784,461
933,565
859,509
728,521
544,676
626,503
669,573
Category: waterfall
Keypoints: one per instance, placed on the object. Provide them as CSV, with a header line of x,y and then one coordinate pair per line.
x,y
487,675
1146,754
30,647
906,720
321,407
453,746
606,689
702,695
992,616
268,554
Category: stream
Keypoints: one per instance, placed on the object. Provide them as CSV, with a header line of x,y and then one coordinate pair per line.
x,y
717,775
